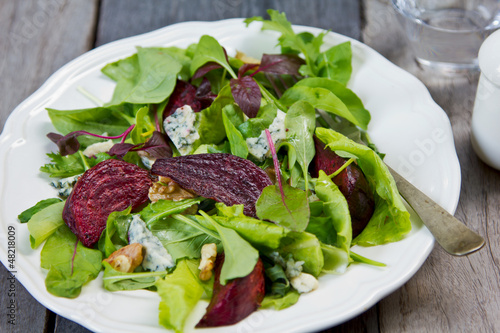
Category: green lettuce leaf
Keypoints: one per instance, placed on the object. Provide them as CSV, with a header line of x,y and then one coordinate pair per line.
x,y
180,291
114,280
390,221
26,215
44,223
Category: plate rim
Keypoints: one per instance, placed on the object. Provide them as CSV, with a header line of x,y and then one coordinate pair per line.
x,y
58,77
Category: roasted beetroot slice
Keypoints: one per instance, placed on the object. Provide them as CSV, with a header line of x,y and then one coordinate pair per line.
x,y
351,182
112,185
236,300
183,94
223,177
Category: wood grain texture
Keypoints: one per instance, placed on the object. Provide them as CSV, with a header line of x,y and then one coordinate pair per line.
x,y
33,45
448,294
123,18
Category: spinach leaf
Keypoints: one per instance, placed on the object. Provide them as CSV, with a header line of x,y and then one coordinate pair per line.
x,y
179,291
180,239
150,79
390,221
240,256
209,50
26,215
347,96
293,213
114,280
69,267
300,122
44,223
236,141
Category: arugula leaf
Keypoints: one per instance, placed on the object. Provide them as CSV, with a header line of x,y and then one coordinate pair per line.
x,y
69,267
26,215
235,138
150,79
114,280
390,221
44,223
240,256
295,215
300,122
155,211
180,291
70,165
209,50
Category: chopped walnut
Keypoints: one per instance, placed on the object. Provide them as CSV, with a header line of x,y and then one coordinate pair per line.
x,y
208,255
246,59
167,189
127,258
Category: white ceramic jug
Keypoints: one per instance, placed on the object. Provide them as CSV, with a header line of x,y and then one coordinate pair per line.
x,y
485,128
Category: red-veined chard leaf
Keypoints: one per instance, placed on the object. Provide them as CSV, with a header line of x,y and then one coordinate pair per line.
x,y
247,95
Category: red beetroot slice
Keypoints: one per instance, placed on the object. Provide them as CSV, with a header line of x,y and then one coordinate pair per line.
x,y
183,94
236,300
223,177
351,182
112,185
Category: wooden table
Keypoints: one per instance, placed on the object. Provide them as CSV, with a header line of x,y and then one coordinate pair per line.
x,y
448,294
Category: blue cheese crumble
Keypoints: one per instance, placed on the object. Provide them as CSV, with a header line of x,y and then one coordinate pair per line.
x,y
156,257
259,147
98,147
64,186
180,127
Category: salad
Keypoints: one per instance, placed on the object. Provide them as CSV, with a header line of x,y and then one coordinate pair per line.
x,y
207,175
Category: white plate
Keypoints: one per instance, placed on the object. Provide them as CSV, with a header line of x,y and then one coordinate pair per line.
x,y
406,124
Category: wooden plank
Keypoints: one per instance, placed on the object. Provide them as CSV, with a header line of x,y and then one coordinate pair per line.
x,y
448,294
33,46
340,16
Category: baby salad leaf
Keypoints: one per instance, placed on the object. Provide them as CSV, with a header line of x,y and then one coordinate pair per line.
x,y
235,138
280,303
306,247
300,122
114,280
70,165
294,215
157,210
247,95
335,63
336,209
281,64
26,215
390,221
209,50
253,127
240,256
180,239
115,236
151,79
69,267
347,96
323,99
180,291
44,223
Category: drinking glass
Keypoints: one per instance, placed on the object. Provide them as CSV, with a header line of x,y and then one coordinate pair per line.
x,y
446,35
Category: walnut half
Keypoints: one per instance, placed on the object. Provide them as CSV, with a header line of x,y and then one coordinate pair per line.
x,y
127,258
167,189
208,255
